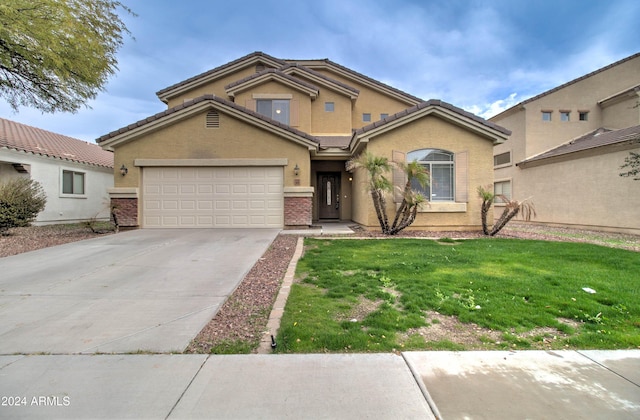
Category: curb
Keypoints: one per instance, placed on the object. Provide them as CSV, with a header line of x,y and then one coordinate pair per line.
x,y
273,324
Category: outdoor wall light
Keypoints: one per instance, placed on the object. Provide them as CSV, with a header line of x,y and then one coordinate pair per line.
x,y
296,170
123,170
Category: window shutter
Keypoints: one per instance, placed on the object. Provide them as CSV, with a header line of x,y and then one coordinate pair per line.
x,y
294,115
462,177
399,176
250,104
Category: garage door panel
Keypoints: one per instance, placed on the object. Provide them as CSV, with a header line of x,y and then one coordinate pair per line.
x,y
213,197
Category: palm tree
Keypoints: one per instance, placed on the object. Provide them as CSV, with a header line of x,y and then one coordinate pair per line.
x,y
411,200
379,185
511,209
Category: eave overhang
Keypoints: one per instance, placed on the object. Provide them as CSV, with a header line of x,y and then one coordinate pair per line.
x,y
199,105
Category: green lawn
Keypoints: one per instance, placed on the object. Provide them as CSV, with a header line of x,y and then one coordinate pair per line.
x,y
382,295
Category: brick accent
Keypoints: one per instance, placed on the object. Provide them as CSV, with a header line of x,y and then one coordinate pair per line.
x,y
297,211
126,211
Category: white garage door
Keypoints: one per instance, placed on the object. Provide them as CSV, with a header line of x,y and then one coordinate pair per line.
x,y
205,197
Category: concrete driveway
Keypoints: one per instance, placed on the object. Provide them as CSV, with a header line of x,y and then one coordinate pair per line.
x,y
136,291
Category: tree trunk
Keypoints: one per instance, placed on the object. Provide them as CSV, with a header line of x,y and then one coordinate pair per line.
x,y
506,216
486,205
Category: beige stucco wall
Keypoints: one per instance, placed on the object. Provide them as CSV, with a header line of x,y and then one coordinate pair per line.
x,y
585,192
431,132
189,139
336,122
369,101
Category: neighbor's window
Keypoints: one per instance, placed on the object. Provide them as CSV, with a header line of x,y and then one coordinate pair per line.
x,y
502,159
502,188
439,164
583,116
565,115
276,109
329,106
366,117
546,115
383,116
72,182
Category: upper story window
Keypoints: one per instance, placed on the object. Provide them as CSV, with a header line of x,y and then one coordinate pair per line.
x,y
502,159
72,182
276,109
440,165
583,115
366,117
329,106
502,191
546,115
565,115
383,116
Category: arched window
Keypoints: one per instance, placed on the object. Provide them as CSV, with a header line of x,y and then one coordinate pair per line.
x,y
440,165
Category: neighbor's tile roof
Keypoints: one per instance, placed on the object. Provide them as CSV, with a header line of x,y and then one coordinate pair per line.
x,y
25,138
597,138
429,103
198,100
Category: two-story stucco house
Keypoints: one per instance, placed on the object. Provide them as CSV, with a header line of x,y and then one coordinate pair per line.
x,y
263,142
567,146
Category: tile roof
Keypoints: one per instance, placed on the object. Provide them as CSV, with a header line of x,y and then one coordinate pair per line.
x,y
257,54
362,76
198,100
304,69
557,88
430,103
25,138
597,138
274,72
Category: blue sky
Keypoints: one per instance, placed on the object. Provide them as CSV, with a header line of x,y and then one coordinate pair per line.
x,y
483,56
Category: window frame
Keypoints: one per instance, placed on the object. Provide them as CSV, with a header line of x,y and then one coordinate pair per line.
x,y
329,106
273,110
547,116
74,174
583,115
429,165
366,117
502,165
565,116
497,201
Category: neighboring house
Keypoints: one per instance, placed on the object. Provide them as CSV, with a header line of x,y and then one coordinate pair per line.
x,y
263,142
74,174
567,146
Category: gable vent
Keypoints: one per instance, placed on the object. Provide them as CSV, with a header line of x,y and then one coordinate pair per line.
x,y
260,67
213,119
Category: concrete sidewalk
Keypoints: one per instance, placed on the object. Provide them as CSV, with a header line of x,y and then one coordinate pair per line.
x,y
428,385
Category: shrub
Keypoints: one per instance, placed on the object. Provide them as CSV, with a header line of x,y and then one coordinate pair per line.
x,y
21,199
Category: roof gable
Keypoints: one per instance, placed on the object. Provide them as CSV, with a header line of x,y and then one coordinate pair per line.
x,y
255,58
194,106
319,78
350,74
439,108
267,76
34,140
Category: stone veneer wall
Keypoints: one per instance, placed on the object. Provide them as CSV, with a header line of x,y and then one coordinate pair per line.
x,y
297,211
126,211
